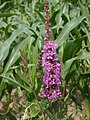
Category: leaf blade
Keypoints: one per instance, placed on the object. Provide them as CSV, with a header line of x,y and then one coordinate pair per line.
x,y
66,30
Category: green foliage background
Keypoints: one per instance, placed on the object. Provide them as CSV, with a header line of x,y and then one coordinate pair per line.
x,y
22,27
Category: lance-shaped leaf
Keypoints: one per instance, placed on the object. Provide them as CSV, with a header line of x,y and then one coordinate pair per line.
x,y
82,55
15,54
4,49
66,30
15,83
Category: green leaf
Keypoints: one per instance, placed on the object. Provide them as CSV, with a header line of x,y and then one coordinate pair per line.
x,y
1,66
82,55
7,14
22,77
15,83
87,105
4,49
73,47
2,5
34,109
2,24
35,54
49,114
40,15
66,30
54,2
67,66
84,9
2,87
15,54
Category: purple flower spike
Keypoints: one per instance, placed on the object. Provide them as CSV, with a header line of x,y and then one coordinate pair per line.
x,y
52,68
51,79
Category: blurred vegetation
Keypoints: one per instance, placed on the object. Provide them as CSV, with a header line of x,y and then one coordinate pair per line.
x,y
22,28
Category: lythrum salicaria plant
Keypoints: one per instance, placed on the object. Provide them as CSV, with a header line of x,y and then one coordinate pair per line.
x,y
51,79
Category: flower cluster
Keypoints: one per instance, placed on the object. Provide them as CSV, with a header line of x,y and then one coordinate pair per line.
x,y
51,67
51,77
